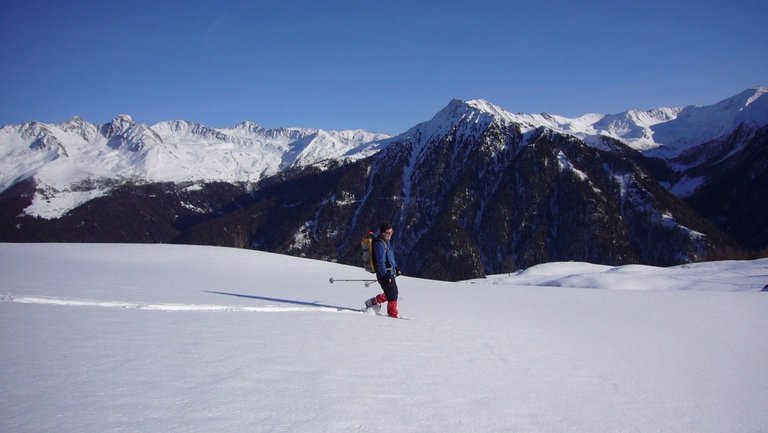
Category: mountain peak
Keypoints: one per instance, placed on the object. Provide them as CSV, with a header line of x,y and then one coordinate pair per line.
x,y
466,111
77,125
118,126
461,106
123,118
487,107
248,126
753,94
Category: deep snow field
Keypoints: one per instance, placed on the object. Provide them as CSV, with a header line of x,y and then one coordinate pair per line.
x,y
167,338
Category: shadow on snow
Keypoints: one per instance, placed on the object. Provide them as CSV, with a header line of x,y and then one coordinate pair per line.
x,y
286,301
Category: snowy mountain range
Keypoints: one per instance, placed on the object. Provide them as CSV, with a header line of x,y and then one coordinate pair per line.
x,y
664,132
75,161
476,190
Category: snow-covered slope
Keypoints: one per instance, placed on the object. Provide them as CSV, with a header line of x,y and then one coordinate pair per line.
x,y
711,276
181,338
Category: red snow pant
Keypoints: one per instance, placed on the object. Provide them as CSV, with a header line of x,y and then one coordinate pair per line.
x,y
389,296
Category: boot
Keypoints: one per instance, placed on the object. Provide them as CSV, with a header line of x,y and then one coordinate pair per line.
x,y
392,309
374,304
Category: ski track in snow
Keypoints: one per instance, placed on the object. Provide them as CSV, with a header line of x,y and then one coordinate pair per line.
x,y
69,302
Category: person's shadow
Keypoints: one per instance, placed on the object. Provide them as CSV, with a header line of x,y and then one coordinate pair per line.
x,y
285,301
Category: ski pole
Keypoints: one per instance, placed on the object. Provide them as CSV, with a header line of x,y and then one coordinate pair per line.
x,y
366,282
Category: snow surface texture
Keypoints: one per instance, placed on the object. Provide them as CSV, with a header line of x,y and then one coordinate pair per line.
x,y
76,161
153,338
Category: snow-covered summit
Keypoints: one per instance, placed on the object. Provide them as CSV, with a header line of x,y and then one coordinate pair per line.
x,y
664,131
120,124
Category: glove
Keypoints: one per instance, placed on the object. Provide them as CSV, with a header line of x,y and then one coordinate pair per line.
x,y
397,272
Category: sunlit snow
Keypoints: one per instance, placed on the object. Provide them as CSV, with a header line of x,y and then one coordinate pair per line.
x,y
158,338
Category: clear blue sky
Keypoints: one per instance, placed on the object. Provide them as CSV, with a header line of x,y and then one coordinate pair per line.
x,y
378,65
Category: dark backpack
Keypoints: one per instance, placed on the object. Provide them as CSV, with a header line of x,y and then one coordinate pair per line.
x,y
366,243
